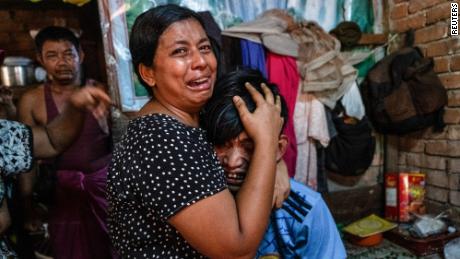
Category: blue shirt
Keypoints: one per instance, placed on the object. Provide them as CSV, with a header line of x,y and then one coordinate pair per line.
x,y
302,228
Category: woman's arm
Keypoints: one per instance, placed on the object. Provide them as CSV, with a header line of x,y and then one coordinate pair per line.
x,y
221,226
282,184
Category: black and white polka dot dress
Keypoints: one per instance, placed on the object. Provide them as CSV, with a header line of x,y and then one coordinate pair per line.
x,y
160,167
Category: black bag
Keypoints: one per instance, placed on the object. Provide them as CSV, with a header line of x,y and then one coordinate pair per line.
x,y
351,151
403,94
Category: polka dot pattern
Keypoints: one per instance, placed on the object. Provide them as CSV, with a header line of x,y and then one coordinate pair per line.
x,y
160,167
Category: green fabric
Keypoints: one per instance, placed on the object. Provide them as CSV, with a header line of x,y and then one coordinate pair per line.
x,y
365,66
362,13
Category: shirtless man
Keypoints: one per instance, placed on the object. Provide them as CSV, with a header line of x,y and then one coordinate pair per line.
x,y
20,144
78,214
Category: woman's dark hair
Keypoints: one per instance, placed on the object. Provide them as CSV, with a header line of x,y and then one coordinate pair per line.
x,y
220,117
55,33
147,29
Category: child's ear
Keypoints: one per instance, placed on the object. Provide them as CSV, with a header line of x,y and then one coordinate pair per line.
x,y
282,146
81,54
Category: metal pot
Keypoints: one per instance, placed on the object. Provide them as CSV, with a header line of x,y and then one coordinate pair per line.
x,y
18,75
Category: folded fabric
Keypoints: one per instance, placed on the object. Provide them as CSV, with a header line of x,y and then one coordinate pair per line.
x,y
323,70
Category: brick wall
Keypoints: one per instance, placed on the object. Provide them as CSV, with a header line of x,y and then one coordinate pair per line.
x,y
16,22
436,154
19,17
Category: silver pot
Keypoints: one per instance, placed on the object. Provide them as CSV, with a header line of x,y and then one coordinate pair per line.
x,y
17,75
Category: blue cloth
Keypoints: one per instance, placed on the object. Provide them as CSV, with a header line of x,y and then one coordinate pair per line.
x,y
302,228
253,55
15,148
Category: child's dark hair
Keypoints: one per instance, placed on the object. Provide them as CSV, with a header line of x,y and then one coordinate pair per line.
x,y
220,117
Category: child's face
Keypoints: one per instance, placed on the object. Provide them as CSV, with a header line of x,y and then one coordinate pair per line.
x,y
235,156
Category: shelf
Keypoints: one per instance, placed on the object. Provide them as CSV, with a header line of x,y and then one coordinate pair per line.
x,y
373,39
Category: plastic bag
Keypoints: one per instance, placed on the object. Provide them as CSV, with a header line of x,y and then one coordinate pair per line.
x,y
452,249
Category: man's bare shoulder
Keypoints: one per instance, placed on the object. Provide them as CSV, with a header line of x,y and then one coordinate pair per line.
x,y
33,95
31,108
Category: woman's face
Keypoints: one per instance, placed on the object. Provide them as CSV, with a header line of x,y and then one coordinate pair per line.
x,y
184,66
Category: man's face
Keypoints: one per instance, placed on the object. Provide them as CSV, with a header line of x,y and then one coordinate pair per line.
x,y
235,156
61,61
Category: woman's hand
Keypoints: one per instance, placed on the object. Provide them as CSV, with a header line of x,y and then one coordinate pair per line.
x,y
282,185
265,123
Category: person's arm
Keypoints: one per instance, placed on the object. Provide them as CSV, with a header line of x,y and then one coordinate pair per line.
x,y
52,139
27,107
282,184
5,219
6,101
221,226
57,135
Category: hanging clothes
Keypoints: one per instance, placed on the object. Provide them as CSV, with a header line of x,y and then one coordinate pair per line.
x,y
282,70
270,29
328,13
310,125
323,71
231,57
253,56
353,103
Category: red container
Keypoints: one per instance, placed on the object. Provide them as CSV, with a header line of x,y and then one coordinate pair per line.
x,y
404,194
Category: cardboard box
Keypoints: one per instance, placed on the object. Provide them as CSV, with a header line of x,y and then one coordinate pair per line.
x,y
404,195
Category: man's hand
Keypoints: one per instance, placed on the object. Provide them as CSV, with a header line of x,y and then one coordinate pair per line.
x,y
91,99
282,185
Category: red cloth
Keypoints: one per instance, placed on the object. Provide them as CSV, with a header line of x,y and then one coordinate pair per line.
x,y
77,222
282,70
